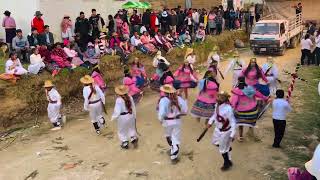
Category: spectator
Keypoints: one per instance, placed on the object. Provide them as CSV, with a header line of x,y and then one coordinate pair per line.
x,y
311,29
212,23
111,25
37,22
91,55
164,21
148,42
135,21
195,19
115,45
36,62
219,22
119,23
125,46
154,22
101,21
146,19
95,24
66,28
201,34
180,20
188,39
51,66
306,45
20,45
252,14
163,43
125,30
136,42
73,56
14,66
173,20
104,45
82,28
9,25
59,56
232,15
46,38
317,50
34,38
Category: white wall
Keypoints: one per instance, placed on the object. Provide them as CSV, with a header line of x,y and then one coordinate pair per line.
x,y
22,11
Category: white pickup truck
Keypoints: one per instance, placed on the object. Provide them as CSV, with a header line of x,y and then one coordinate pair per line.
x,y
271,35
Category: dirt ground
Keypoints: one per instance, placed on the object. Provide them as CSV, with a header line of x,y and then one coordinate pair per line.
x,y
100,157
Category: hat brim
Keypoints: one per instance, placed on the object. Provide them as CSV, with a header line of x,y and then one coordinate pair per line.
x,y
103,36
121,91
312,171
86,81
48,86
169,91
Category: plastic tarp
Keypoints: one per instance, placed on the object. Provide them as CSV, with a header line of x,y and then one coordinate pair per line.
x,y
136,5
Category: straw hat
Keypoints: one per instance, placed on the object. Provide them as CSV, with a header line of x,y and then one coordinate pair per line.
x,y
253,59
102,35
270,59
313,166
167,88
223,96
86,80
121,90
48,84
189,51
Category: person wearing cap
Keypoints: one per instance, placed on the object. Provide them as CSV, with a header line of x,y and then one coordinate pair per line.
x,y
37,22
20,45
54,105
14,66
9,24
206,99
171,108
225,128
34,38
91,55
271,72
236,66
36,62
186,75
94,102
313,166
244,101
46,38
200,34
104,45
131,83
66,26
125,114
164,20
148,42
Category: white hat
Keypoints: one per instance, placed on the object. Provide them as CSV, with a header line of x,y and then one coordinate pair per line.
x,y
164,14
313,166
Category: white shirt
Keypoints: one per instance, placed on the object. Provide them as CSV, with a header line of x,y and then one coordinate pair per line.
x,y
272,72
191,59
165,110
318,41
120,107
280,109
35,59
135,42
234,66
53,95
195,17
94,97
306,44
226,111
10,63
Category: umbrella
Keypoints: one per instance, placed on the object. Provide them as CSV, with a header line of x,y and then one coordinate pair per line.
x,y
129,5
136,5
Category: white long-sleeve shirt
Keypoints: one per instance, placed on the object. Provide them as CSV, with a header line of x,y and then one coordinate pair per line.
x,y
157,59
53,95
166,111
120,107
94,97
235,65
226,111
280,109
306,44
35,59
272,72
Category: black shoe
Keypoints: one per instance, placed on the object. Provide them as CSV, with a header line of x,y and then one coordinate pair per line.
x,y
134,141
98,132
226,166
276,146
125,145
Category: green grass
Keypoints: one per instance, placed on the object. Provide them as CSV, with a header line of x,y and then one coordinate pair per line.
x,y
304,122
2,64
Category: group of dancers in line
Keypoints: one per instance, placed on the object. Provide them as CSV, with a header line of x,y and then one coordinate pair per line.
x,y
214,106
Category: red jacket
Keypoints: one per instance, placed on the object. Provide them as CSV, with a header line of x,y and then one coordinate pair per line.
x,y
153,18
38,24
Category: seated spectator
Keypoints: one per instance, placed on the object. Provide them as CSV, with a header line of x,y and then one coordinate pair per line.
x,y
46,37
136,42
162,42
36,62
125,46
72,55
104,45
33,38
169,38
201,34
66,28
130,82
148,42
91,55
143,29
98,78
59,56
188,39
51,66
14,66
20,45
115,45
125,30
96,43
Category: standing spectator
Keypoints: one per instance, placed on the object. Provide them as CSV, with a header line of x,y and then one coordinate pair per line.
x,y
125,30
246,17
212,23
252,14
164,21
95,24
317,50
119,23
173,20
38,22
135,21
226,16
46,38
306,45
34,38
101,21
219,22
298,8
9,25
232,15
180,20
196,19
154,22
111,25
82,27
189,22
66,29
21,46
311,29
146,19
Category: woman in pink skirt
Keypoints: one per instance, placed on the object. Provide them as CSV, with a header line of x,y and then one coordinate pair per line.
x,y
186,75
130,82
138,71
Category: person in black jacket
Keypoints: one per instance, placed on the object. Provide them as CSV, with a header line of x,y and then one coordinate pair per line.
x,y
146,19
164,21
173,19
34,38
180,20
82,28
46,38
111,28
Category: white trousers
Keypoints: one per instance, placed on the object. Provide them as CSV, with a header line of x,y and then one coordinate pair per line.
x,y
222,139
54,112
174,133
96,113
35,68
126,127
272,84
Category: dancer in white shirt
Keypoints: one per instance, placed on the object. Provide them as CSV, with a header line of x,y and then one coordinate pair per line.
x,y
236,66
270,70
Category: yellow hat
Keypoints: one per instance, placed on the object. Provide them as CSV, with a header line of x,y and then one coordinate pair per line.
x,y
121,90
48,84
86,80
167,88
188,52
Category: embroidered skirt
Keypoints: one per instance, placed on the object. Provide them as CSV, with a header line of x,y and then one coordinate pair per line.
x,y
202,110
247,118
136,98
190,84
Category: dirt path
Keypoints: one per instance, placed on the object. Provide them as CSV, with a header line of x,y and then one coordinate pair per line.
x,y
100,157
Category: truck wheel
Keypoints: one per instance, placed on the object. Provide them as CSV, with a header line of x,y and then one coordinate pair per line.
x,y
283,51
294,42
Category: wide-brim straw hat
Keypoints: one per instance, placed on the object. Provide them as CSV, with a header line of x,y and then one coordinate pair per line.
x,y
102,35
48,84
313,166
223,95
189,51
121,90
167,88
86,80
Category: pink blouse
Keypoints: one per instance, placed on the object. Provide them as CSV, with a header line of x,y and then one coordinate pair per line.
x,y
251,78
131,84
210,94
135,71
240,102
184,75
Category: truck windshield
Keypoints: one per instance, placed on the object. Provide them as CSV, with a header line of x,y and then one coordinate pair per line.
x,y
266,28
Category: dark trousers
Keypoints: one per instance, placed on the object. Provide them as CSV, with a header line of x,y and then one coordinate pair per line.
x,y
317,56
306,53
219,28
279,128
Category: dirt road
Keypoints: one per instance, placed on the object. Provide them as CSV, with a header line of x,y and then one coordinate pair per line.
x,y
100,157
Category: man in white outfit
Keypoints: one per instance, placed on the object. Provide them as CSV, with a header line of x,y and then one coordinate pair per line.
x,y
225,128
271,72
236,66
94,102
171,107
